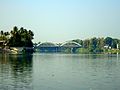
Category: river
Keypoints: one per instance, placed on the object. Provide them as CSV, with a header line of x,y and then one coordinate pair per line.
x,y
59,72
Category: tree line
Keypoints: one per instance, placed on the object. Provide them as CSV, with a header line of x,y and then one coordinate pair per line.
x,y
17,37
99,44
23,38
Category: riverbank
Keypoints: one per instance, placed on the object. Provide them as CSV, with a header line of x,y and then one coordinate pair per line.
x,y
23,50
104,51
17,50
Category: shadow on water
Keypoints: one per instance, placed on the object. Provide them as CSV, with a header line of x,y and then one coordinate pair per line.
x,y
15,72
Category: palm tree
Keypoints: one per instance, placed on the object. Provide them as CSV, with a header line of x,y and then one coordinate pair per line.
x,y
31,34
1,32
21,37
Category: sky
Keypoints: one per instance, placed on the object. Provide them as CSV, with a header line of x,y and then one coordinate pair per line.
x,y
62,20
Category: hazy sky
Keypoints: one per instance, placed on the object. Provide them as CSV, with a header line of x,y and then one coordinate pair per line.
x,y
62,20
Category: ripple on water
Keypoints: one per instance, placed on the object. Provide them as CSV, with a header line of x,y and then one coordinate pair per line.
x,y
60,72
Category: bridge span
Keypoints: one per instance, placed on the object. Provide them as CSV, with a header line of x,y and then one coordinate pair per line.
x,y
69,46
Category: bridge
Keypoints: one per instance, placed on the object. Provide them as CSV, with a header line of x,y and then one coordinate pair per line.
x,y
71,46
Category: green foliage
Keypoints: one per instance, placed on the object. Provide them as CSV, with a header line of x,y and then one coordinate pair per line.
x,y
82,50
93,44
78,41
66,50
108,41
4,36
96,45
21,38
86,43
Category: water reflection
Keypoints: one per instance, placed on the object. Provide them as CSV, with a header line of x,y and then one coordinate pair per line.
x,y
15,72
76,72
59,72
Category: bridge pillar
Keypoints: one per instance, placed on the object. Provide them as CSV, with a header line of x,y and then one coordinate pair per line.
x,y
71,50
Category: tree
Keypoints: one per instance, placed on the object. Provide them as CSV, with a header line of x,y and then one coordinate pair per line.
x,y
93,44
78,41
4,35
114,43
21,37
86,43
108,41
1,32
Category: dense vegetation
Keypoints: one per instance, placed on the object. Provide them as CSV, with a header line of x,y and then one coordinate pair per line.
x,y
17,37
97,45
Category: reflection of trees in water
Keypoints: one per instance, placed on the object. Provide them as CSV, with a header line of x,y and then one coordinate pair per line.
x,y
16,71
100,62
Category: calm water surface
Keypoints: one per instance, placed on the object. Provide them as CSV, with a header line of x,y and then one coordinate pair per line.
x,y
59,72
